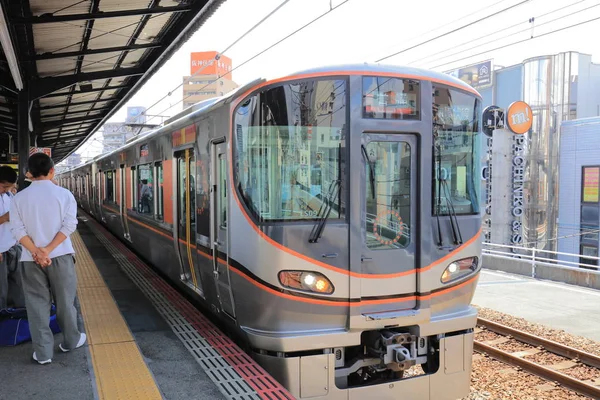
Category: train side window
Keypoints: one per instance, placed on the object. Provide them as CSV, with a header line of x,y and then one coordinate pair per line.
x,y
159,191
133,189
388,208
109,192
145,186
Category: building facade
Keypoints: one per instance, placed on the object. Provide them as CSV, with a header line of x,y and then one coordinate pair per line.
x,y
558,88
208,78
116,134
579,200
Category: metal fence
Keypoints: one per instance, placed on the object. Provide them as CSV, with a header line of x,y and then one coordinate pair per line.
x,y
536,257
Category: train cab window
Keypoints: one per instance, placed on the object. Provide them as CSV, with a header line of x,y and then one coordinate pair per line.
x,y
109,179
457,151
388,195
159,191
391,98
282,170
145,187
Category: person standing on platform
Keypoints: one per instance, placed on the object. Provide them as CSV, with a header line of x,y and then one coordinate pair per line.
x,y
42,218
11,289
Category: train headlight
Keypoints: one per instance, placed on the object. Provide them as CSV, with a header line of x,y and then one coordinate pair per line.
x,y
459,269
306,280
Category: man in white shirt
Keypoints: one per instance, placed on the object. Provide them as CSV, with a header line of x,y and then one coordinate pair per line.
x,y
42,217
11,289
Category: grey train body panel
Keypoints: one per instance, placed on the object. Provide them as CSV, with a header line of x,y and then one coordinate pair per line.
x,y
337,289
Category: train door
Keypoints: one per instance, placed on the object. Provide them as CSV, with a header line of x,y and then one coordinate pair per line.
x,y
123,201
186,217
219,226
390,203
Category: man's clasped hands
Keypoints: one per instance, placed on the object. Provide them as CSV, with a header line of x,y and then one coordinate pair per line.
x,y
41,257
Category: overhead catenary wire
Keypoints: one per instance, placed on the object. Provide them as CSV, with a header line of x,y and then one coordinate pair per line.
x,y
513,34
460,19
470,41
519,42
218,56
494,14
260,53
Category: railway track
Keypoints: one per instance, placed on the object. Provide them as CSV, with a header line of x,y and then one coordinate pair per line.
x,y
555,373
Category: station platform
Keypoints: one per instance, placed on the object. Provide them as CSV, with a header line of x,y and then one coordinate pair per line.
x,y
571,308
145,340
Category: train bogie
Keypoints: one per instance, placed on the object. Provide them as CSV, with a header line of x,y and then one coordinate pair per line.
x,y
331,217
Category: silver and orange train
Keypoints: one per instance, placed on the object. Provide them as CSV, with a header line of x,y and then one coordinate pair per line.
x,y
332,217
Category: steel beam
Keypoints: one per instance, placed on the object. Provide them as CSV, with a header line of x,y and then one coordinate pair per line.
x,y
66,54
77,112
44,86
74,104
69,121
101,89
49,18
23,135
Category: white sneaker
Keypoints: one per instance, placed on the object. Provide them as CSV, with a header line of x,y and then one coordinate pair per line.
x,y
41,362
82,340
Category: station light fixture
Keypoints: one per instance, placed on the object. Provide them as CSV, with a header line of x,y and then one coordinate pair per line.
x,y
459,269
9,51
306,280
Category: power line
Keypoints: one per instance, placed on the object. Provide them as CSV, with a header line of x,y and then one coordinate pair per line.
x,y
454,30
519,42
218,56
260,53
486,8
492,34
516,33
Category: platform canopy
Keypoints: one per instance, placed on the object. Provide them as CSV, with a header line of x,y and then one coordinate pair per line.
x,y
67,65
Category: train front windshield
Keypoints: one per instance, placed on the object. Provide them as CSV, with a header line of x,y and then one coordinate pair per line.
x,y
457,147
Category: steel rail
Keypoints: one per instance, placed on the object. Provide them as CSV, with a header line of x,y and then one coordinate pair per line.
x,y
539,370
536,341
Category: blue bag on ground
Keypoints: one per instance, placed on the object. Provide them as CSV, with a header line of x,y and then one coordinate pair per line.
x,y
14,326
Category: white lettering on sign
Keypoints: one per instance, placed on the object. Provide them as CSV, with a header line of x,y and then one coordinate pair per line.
x,y
518,179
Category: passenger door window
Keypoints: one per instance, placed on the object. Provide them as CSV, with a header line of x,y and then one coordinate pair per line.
x,y
388,191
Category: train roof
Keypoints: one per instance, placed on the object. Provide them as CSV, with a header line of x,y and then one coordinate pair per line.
x,y
366,68
342,69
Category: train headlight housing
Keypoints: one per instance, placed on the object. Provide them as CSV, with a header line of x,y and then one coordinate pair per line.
x,y
459,269
306,280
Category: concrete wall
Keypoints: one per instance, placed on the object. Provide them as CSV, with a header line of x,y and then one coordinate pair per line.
x,y
580,277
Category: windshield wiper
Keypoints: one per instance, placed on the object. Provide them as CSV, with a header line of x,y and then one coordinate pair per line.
x,y
439,197
326,206
453,218
324,211
371,169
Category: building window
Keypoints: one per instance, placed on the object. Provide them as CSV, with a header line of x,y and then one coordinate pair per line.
x,y
282,171
588,251
145,189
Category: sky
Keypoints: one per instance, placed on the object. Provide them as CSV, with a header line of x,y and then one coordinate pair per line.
x,y
360,31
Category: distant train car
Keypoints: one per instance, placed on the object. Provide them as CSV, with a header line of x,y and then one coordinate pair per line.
x,y
331,217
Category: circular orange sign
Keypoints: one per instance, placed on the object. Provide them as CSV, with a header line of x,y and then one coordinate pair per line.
x,y
519,117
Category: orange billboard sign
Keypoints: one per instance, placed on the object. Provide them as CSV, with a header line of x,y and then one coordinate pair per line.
x,y
519,117
204,63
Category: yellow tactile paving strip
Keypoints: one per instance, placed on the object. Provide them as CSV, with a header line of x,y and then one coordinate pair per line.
x,y
119,368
